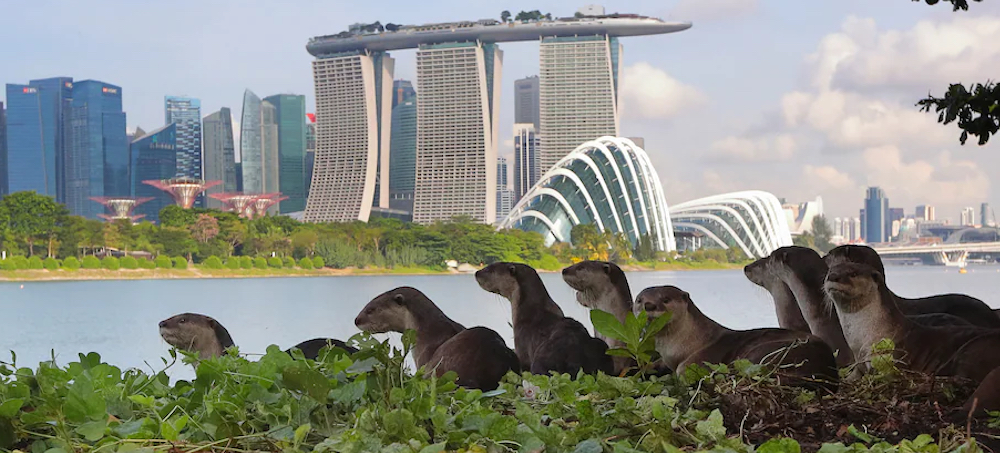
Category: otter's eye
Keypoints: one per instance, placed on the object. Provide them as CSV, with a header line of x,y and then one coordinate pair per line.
x,y
182,321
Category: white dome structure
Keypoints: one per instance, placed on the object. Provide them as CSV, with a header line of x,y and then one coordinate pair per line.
x,y
753,221
608,182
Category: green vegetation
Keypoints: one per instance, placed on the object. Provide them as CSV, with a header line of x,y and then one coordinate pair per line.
x,y
91,262
819,239
71,263
111,263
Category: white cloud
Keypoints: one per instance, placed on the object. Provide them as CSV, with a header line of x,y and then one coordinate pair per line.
x,y
766,149
829,177
941,180
651,93
696,10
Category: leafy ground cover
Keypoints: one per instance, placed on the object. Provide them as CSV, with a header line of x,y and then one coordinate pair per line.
x,y
371,402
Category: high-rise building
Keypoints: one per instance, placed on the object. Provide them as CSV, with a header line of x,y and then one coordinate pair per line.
x,y
876,216
353,124
292,143
251,159
578,93
505,196
526,101
401,91
38,134
838,226
459,86
270,160
220,154
3,150
896,215
855,229
186,114
968,217
310,149
986,216
925,213
97,160
526,168
154,157
403,149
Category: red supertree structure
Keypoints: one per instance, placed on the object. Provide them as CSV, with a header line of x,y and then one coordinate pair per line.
x,y
265,201
121,207
182,190
240,203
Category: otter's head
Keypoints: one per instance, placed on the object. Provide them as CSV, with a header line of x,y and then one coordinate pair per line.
x,y
759,272
390,311
802,262
853,286
505,278
861,254
196,333
658,300
589,278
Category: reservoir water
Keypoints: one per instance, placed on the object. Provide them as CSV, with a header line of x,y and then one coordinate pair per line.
x,y
118,319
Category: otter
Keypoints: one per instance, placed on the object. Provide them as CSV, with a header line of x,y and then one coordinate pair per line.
x,y
868,313
785,306
208,338
691,337
602,285
969,308
544,339
478,355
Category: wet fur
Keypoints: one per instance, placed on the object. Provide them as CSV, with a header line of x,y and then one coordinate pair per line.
x,y
478,355
786,308
602,285
969,308
691,337
208,338
545,340
868,312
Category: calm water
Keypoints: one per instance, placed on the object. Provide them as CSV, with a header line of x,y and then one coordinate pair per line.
x,y
119,319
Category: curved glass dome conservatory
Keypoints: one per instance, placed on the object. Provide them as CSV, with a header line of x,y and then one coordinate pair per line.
x,y
752,220
608,182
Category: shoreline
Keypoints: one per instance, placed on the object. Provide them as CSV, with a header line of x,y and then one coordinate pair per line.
x,y
44,275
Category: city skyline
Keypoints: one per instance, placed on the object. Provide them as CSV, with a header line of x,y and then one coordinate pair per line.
x,y
784,70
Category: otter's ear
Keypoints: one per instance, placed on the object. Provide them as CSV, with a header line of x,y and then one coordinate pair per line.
x,y
512,269
687,297
607,268
877,276
398,298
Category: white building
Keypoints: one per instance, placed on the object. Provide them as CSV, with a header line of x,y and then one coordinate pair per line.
x,y
800,216
968,217
353,121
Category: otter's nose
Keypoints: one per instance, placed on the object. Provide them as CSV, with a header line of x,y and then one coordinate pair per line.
x,y
163,324
358,321
649,306
565,271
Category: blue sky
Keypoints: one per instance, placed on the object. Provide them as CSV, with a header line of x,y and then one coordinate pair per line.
x,y
800,98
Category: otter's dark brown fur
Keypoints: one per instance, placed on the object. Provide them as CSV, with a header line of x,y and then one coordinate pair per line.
x,y
969,308
785,307
868,313
208,338
478,355
545,340
691,337
603,286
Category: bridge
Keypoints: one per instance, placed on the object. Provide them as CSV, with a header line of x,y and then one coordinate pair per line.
x,y
956,254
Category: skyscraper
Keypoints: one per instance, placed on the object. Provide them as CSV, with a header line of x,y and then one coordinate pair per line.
x,y
986,215
968,217
505,196
310,149
526,101
97,159
220,154
291,122
401,91
526,169
186,114
896,215
270,161
3,150
876,216
578,93
925,213
251,160
353,123
38,135
154,157
459,86
403,149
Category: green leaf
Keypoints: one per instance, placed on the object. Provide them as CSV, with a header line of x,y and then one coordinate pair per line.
x,y
304,379
589,446
780,445
10,407
834,448
860,435
142,400
606,324
92,431
434,448
633,327
712,427
619,352
301,433
7,434
657,324
168,431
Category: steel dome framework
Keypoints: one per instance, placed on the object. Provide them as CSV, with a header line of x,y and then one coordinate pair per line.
x,y
751,220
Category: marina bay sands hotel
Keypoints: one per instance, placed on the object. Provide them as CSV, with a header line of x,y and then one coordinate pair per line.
x,y
459,68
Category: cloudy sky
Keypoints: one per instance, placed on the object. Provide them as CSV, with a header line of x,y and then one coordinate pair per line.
x,y
800,98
